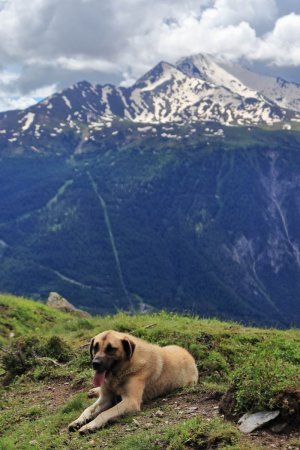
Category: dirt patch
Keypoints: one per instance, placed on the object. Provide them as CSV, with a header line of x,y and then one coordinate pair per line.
x,y
56,394
52,395
269,441
227,405
289,403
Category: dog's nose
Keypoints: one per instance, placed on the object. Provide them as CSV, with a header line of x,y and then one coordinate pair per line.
x,y
98,364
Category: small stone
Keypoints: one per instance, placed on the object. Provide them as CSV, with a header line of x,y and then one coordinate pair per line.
x,y
192,408
33,442
92,443
148,425
159,413
136,422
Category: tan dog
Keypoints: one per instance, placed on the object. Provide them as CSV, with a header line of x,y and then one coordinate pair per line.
x,y
129,371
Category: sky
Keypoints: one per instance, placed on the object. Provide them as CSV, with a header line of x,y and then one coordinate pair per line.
x,y
47,45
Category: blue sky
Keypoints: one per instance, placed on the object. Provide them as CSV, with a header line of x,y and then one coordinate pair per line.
x,y
46,45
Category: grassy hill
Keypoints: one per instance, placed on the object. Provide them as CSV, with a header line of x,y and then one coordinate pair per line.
x,y
45,373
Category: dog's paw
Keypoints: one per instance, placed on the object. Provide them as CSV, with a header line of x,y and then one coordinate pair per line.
x,y
86,430
93,393
74,426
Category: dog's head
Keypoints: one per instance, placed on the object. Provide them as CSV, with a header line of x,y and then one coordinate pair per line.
x,y
108,350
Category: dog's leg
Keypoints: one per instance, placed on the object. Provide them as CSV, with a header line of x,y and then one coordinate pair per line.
x,y
94,393
103,403
131,402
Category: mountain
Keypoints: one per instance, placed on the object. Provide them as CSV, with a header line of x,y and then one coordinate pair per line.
x,y
196,90
179,192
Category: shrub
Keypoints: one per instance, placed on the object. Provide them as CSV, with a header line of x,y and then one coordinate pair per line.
x,y
56,348
28,352
20,356
259,379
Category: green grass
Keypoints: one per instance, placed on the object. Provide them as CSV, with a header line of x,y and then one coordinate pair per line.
x,y
258,363
192,433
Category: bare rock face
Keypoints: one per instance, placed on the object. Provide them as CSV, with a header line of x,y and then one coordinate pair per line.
x,y
56,301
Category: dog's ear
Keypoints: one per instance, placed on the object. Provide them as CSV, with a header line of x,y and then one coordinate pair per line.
x,y
129,347
91,348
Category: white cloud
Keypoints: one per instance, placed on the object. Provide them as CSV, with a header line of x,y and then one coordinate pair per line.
x,y
282,44
233,12
7,103
193,36
59,42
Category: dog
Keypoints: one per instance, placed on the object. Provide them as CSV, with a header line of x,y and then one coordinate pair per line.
x,y
129,371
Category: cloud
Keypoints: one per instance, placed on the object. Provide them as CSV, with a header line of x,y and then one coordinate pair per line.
x,y
9,99
59,42
282,44
256,13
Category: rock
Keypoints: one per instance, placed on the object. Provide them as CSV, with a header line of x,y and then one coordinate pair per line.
x,y
192,408
136,422
159,413
250,422
56,301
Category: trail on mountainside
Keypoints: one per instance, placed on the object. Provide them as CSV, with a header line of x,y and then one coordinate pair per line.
x,y
112,240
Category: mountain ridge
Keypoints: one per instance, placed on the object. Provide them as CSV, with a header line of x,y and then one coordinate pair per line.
x,y
194,91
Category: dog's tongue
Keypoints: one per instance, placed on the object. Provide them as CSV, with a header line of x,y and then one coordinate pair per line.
x,y
99,378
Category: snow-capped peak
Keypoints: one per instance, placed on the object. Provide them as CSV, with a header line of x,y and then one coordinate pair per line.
x,y
209,68
241,80
197,90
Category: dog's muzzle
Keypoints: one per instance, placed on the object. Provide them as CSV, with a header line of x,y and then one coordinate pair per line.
x,y
99,365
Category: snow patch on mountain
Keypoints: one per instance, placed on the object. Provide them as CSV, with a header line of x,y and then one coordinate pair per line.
x,y
27,120
67,101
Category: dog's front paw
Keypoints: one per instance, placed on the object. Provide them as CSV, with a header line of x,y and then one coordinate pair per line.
x,y
93,426
74,426
95,392
86,430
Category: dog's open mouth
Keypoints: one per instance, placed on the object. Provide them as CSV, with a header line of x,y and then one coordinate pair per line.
x,y
99,378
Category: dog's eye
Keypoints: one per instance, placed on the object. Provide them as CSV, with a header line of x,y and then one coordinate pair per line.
x,y
110,349
96,347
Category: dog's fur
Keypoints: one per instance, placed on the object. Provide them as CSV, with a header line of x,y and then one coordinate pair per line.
x,y
136,371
